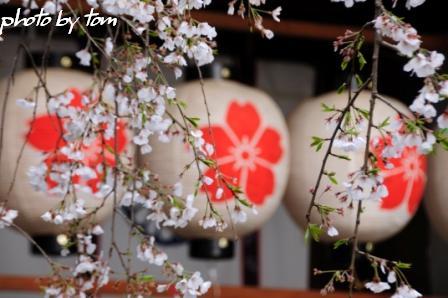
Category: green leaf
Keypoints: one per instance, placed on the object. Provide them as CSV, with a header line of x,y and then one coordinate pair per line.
x,y
342,88
340,242
360,42
402,265
361,60
313,231
146,278
326,108
109,148
364,113
344,63
234,188
344,157
333,180
317,142
358,79
385,123
244,202
442,138
325,210
178,203
208,162
194,121
330,176
182,103
411,125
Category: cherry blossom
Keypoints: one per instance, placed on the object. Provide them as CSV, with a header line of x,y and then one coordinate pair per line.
x,y
414,3
349,143
209,222
407,38
7,216
109,46
238,215
25,103
425,64
194,286
442,120
84,57
391,277
276,13
405,291
377,286
147,252
84,149
366,187
332,231
348,3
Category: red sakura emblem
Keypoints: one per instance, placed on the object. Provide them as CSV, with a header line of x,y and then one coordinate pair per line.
x,y
46,136
247,150
405,181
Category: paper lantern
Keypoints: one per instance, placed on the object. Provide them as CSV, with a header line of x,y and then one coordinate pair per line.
x,y
251,145
405,182
43,135
436,201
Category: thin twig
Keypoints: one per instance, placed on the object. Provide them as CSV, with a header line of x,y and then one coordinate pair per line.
x,y
365,167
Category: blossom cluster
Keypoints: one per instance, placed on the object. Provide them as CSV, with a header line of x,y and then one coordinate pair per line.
x,y
90,159
6,216
423,64
254,14
394,276
409,3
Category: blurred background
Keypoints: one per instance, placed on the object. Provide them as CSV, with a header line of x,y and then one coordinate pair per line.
x,y
299,63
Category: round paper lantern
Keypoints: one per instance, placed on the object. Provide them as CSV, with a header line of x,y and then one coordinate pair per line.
x,y
251,145
436,201
42,136
380,219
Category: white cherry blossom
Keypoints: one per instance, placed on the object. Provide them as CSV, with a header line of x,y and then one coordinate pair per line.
x,y
7,216
348,3
414,3
84,57
406,291
377,286
424,65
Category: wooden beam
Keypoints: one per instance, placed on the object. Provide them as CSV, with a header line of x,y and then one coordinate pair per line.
x,y
303,29
30,284
287,28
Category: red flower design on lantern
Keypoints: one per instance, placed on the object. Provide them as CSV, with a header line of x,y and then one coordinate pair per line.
x,y
46,135
405,181
246,150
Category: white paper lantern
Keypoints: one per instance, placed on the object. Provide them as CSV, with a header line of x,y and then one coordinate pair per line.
x,y
252,145
436,201
405,182
43,136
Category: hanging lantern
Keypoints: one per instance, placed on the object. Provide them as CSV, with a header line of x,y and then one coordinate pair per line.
x,y
251,145
380,219
436,200
42,134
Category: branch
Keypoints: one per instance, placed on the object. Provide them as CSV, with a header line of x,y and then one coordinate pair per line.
x,y
350,103
365,167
